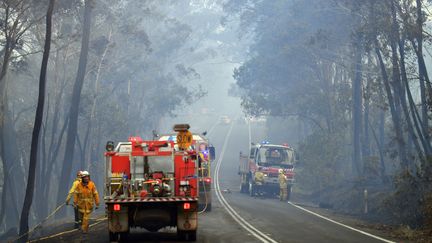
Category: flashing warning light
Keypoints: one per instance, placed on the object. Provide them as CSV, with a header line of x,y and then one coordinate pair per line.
x,y
207,180
186,206
265,142
116,207
285,144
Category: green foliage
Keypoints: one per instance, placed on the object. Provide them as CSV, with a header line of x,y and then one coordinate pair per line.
x,y
407,202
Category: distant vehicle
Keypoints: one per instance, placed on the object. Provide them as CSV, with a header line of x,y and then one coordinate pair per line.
x,y
270,158
224,120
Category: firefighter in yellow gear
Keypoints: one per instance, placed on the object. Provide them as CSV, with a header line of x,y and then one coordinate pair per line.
x,y
203,160
85,197
259,181
71,193
283,185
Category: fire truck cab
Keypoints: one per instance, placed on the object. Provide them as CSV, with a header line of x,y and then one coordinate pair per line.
x,y
150,185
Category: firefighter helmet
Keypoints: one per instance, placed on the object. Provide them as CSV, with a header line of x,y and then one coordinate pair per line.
x,y
280,171
79,173
85,173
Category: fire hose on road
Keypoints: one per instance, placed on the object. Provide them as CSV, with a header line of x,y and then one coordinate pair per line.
x,y
45,219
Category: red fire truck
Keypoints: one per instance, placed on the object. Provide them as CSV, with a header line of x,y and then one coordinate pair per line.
x,y
269,158
150,185
206,155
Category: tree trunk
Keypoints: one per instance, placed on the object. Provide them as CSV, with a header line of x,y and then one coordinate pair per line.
x,y
37,126
402,98
394,114
423,74
366,137
394,37
357,107
74,108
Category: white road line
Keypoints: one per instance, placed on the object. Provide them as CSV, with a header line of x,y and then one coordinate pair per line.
x,y
343,225
242,222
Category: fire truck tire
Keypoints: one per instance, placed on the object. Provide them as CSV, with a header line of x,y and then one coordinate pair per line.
x,y
289,193
243,187
123,237
113,237
251,188
187,235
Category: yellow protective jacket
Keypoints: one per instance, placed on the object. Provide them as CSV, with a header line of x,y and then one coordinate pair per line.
x,y
85,196
282,181
73,188
259,177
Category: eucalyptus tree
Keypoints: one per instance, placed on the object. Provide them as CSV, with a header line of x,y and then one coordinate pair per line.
x,y
17,21
24,224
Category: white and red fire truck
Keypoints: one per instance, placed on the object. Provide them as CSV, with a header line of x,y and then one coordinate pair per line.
x,y
151,185
269,158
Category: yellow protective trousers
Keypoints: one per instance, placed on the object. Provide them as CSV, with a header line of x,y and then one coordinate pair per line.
x,y
283,194
84,218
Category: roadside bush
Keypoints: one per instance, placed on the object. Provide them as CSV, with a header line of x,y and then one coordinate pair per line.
x,y
323,161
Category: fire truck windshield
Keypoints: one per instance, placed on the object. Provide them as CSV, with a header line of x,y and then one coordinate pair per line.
x,y
275,156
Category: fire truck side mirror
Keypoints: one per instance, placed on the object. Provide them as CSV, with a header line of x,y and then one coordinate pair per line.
x,y
212,152
296,157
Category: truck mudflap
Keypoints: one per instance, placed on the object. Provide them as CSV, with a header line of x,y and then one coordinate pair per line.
x,y
118,220
187,216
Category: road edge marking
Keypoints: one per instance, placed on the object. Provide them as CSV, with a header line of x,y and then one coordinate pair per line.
x,y
242,222
343,225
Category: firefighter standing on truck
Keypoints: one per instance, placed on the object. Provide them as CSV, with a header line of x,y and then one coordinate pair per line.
x,y
259,181
203,159
85,197
71,193
283,185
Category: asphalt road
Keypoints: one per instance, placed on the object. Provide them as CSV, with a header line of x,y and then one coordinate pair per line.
x,y
262,220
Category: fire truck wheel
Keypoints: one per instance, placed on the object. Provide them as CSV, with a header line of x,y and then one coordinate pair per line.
x,y
289,193
243,187
124,236
113,236
251,188
187,235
